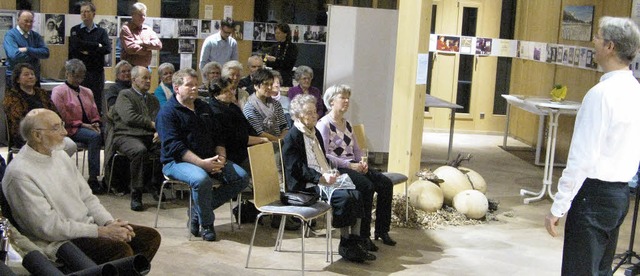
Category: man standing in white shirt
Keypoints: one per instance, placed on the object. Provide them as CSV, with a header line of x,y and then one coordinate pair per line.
x,y
603,156
220,47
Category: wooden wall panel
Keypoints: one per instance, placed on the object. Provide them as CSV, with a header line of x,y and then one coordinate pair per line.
x,y
540,21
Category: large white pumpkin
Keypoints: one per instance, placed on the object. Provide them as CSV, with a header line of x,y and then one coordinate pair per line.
x,y
477,181
425,195
454,182
471,203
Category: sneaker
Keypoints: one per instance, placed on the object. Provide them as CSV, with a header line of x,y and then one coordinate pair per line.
x,y
96,187
208,233
136,201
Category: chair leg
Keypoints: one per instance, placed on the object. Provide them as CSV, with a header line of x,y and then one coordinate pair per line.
x,y
231,212
329,251
280,233
255,228
406,201
160,202
113,161
303,230
191,214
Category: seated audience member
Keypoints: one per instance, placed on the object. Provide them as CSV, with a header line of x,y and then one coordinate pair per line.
x,y
210,74
307,169
165,88
238,132
193,151
232,70
134,133
123,81
343,151
304,75
23,97
79,112
52,203
263,112
255,63
276,95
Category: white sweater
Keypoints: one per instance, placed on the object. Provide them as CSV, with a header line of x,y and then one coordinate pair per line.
x,y
50,200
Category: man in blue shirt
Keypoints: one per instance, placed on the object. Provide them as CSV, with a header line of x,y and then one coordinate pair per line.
x,y
21,44
90,43
220,47
193,151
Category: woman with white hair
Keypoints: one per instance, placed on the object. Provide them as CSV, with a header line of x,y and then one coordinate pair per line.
x,y
164,92
211,72
233,71
308,170
343,150
304,76
79,112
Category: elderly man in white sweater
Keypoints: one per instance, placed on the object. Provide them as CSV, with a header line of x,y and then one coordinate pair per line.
x,y
53,204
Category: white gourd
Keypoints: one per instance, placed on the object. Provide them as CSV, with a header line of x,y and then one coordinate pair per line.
x,y
454,182
477,181
471,203
425,195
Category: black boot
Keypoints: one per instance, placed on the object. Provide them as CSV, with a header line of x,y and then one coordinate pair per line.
x,y
369,245
351,250
136,200
208,233
362,243
193,223
96,186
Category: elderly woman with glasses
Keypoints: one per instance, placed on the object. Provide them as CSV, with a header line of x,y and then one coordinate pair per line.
x,y
344,151
79,112
211,72
307,169
23,97
304,76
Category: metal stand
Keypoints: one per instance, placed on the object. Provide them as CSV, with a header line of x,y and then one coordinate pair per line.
x,y
630,254
547,180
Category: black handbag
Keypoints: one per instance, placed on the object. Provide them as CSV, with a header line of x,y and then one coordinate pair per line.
x,y
299,198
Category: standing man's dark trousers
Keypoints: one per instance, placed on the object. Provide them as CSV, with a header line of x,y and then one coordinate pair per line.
x,y
94,80
591,230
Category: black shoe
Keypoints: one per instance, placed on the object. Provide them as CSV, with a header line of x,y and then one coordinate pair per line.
x,y
96,187
208,233
369,245
156,196
385,239
136,201
349,250
361,243
194,224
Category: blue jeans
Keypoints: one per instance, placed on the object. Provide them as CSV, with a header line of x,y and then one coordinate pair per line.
x,y
234,180
93,140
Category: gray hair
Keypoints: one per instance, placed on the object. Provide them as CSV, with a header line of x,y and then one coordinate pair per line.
x,y
120,64
178,77
208,67
255,58
296,107
74,66
624,34
228,66
333,91
277,75
165,66
30,122
138,7
136,70
303,70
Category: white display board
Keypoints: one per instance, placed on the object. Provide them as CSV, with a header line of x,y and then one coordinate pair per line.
x,y
361,50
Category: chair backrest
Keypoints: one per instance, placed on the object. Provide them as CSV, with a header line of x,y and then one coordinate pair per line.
x,y
284,179
361,138
266,188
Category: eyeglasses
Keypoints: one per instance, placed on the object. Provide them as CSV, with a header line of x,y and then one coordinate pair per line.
x,y
56,128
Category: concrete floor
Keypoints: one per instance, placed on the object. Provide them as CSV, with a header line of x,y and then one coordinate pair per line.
x,y
516,244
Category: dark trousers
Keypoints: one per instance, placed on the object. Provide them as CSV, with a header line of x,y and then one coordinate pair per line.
x,y
367,184
94,80
140,150
102,250
591,230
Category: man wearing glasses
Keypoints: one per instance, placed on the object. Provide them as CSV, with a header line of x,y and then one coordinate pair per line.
x,y
220,47
52,203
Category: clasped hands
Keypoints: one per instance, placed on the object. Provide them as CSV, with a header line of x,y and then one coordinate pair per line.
x,y
214,164
361,167
118,230
95,126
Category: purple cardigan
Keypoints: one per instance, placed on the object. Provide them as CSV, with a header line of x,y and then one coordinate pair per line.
x,y
297,90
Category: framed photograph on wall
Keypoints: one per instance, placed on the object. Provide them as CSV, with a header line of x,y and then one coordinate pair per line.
x,y
577,23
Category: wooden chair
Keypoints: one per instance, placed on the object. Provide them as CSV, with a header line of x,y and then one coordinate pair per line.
x,y
266,195
396,178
